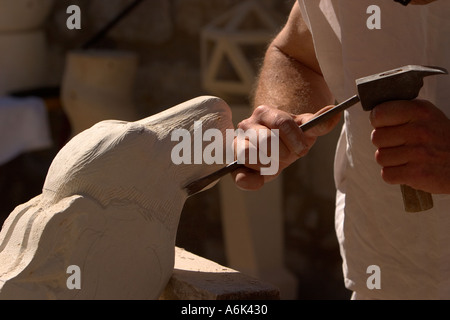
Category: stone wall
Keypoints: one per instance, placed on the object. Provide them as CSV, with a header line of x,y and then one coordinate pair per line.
x,y
164,33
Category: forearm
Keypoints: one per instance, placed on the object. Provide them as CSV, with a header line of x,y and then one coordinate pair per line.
x,y
288,84
290,91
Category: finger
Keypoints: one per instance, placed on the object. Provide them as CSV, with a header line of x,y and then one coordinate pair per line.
x,y
411,174
248,179
321,128
394,113
413,133
394,175
393,157
248,150
387,137
415,154
289,132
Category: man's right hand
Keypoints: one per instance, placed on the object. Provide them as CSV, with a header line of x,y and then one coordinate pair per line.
x,y
293,144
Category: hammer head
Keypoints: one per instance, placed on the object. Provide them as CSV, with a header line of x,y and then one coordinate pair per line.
x,y
399,84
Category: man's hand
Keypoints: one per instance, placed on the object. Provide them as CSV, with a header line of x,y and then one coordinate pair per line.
x,y
413,141
293,144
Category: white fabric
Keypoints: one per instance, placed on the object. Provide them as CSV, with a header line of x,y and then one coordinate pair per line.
x,y
412,250
23,127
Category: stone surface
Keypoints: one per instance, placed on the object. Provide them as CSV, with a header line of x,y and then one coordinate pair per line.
x,y
110,205
99,85
196,278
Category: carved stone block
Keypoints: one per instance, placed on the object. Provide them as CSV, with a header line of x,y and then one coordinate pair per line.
x,y
110,205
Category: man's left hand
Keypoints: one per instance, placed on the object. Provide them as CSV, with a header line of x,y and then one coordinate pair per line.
x,y
413,141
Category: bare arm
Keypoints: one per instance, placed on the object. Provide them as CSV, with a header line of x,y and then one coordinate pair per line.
x,y
290,78
412,137
289,90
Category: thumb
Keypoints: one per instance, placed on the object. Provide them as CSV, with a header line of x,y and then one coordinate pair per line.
x,y
321,128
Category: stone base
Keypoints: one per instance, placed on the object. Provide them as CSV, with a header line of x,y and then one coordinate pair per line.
x,y
196,278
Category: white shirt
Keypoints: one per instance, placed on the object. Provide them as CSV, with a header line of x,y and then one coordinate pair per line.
x,y
412,250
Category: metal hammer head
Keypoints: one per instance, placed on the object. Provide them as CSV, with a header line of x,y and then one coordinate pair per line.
x,y
399,84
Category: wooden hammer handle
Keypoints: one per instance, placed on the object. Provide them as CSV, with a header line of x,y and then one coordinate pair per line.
x,y
416,200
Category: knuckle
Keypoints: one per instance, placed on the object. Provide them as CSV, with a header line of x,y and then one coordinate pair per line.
x,y
379,157
394,175
261,110
373,116
375,137
387,176
245,124
381,137
283,123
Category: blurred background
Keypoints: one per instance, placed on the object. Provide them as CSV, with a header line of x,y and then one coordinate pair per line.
x,y
56,81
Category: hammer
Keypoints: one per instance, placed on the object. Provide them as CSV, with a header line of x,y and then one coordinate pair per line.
x,y
399,84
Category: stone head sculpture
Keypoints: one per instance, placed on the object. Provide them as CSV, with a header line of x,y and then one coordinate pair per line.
x,y
110,205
